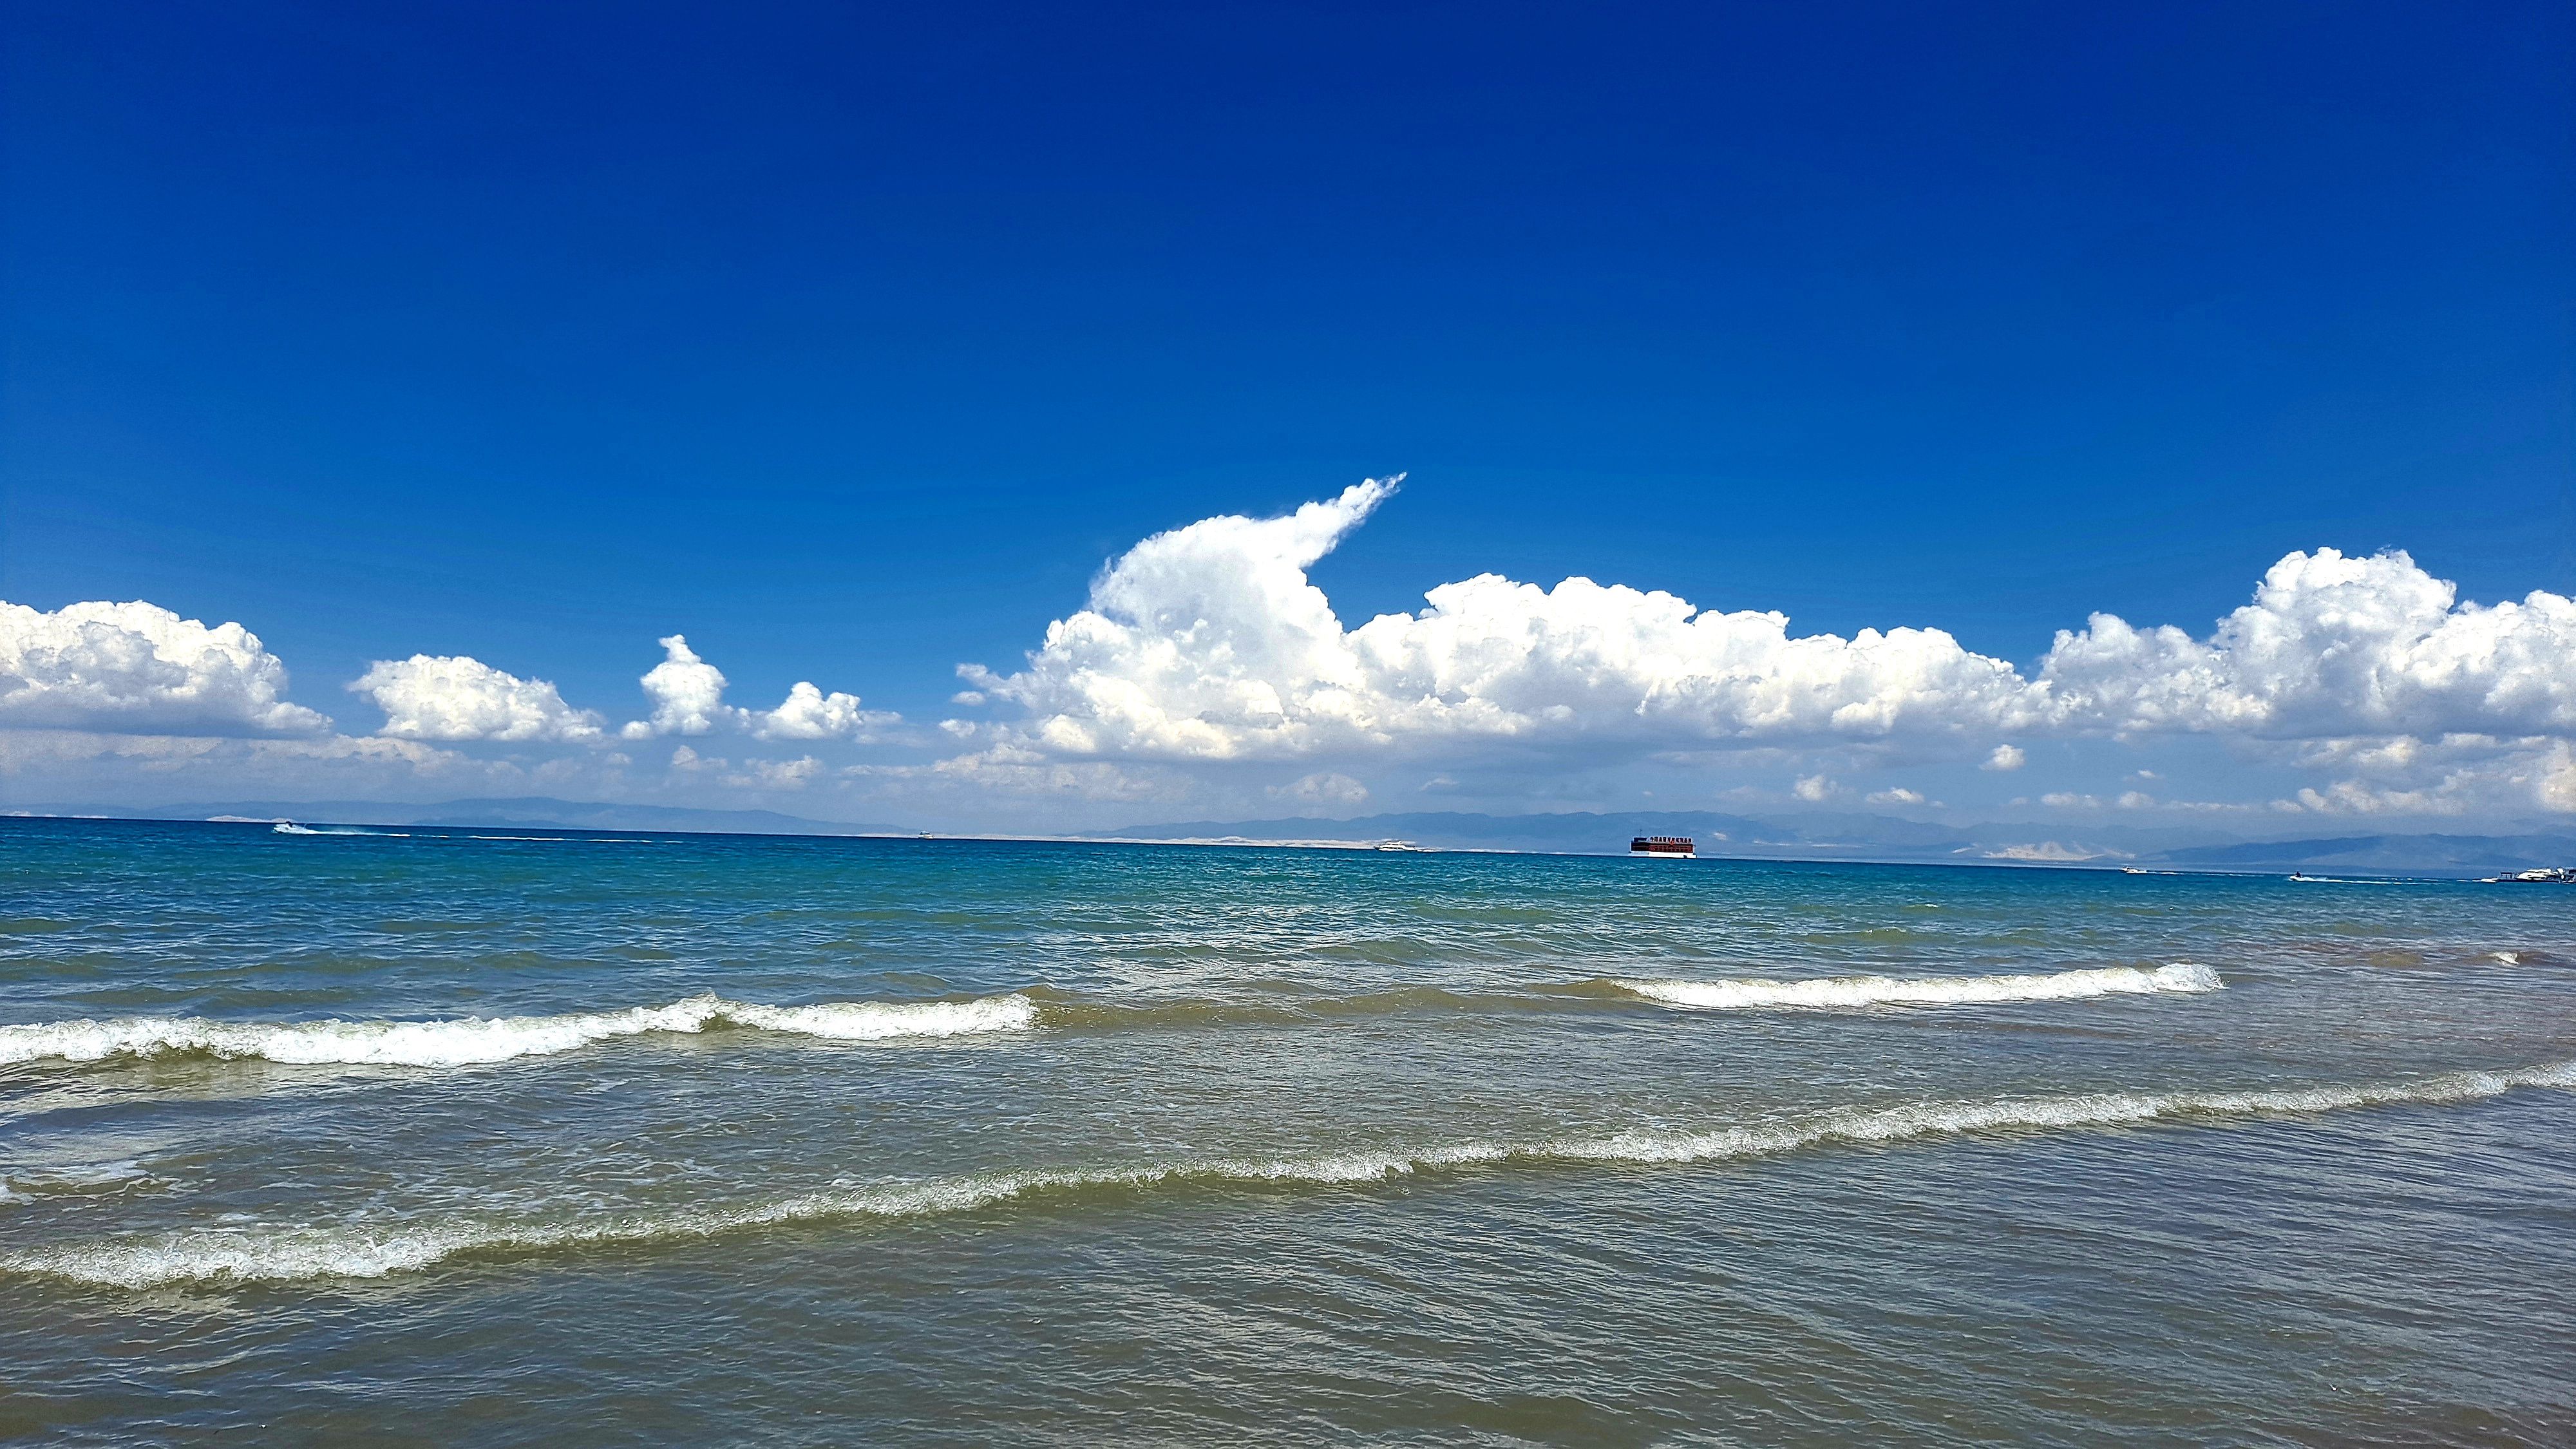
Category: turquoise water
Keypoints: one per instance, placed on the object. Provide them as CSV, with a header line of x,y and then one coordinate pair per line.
x,y
448,1137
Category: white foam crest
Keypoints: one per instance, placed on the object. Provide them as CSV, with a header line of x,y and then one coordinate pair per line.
x,y
252,1254
474,1040
1757,993
26,1183
2097,1109
870,1021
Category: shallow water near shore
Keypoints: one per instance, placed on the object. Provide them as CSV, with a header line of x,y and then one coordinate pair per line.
x,y
439,1136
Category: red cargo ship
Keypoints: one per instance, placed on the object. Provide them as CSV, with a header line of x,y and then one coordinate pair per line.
x,y
1667,847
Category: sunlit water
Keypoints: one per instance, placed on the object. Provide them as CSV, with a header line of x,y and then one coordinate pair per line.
x,y
445,1138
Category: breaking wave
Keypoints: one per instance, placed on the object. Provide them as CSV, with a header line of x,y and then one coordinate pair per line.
x,y
290,1253
1831,991
1071,1010
474,1040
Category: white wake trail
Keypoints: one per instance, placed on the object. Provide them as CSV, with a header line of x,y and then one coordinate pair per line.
x,y
281,1253
474,1040
1757,993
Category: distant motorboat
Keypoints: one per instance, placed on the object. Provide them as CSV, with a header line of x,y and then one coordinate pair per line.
x,y
289,827
1664,847
1403,845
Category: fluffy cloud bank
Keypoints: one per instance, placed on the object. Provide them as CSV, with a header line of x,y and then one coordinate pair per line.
x,y
2366,681
457,698
137,683
139,668
1209,643
436,697
688,699
2332,647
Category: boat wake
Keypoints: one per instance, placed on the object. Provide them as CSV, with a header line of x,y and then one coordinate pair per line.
x,y
289,1252
473,1040
1754,994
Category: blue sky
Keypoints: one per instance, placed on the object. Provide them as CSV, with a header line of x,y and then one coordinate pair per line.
x,y
855,343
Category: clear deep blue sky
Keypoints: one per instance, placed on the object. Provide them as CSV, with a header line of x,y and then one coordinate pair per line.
x,y
852,340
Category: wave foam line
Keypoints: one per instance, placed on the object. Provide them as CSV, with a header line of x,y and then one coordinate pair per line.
x,y
493,1039
1755,994
285,1254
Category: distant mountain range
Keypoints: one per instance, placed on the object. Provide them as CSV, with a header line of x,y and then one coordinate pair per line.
x,y
1882,837
527,810
1822,836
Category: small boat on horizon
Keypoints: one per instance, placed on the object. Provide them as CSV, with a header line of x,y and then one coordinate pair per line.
x,y
1664,847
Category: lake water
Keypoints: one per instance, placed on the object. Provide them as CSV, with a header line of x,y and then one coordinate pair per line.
x,y
497,1137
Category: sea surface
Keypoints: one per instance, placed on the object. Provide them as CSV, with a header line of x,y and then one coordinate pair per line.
x,y
520,1137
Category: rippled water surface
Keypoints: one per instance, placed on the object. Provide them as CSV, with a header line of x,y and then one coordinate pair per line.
x,y
451,1137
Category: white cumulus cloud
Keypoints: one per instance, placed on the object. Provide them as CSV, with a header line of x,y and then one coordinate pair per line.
x,y
2332,646
688,699
440,697
687,694
1210,643
139,668
809,714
